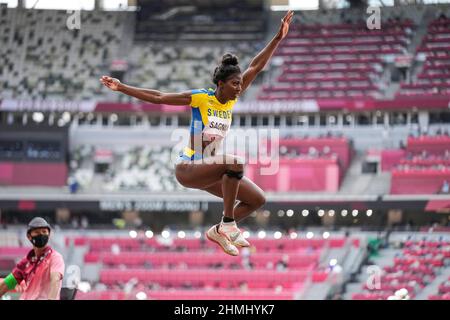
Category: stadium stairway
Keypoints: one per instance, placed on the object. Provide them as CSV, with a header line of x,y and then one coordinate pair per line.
x,y
380,184
317,291
355,182
385,258
348,258
421,30
392,89
420,33
128,34
433,287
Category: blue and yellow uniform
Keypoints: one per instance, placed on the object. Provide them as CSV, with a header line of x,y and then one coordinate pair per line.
x,y
211,120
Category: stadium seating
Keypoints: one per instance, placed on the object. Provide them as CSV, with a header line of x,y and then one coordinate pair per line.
x,y
44,59
218,294
443,291
152,67
335,61
66,64
142,168
434,79
269,269
324,158
9,256
319,61
415,268
149,167
421,168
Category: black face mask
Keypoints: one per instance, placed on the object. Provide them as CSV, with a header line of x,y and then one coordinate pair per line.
x,y
40,240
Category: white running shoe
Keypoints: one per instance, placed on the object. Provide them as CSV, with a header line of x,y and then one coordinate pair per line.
x,y
231,231
240,241
222,240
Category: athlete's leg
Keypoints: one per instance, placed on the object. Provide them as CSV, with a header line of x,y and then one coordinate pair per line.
x,y
250,196
225,171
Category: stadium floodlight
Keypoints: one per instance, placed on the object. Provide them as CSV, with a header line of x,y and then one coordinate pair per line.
x,y
331,213
321,213
261,234
113,117
266,213
355,213
326,235
149,234
369,212
344,213
309,235
181,234
246,234
61,123
293,235
197,234
38,117
66,116
277,235
141,296
305,213
332,119
290,213
165,234
133,234
280,213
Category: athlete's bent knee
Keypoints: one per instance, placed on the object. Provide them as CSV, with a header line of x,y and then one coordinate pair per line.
x,y
238,167
260,201
234,174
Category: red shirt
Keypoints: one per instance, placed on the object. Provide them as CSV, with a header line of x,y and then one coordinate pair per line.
x,y
33,274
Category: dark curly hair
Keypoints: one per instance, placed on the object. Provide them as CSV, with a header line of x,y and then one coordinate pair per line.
x,y
228,67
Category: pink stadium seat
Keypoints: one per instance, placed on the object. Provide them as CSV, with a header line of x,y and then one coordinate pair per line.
x,y
14,251
439,297
178,277
415,251
426,181
295,260
218,294
333,60
222,295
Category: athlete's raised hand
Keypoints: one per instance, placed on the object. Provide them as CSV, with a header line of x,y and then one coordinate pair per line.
x,y
111,83
284,27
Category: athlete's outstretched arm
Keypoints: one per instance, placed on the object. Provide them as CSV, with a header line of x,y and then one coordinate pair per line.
x,y
3,287
153,96
259,62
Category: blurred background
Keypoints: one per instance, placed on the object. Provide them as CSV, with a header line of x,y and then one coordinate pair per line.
x,y
359,98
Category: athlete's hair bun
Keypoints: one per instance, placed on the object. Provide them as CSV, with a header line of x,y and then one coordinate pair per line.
x,y
228,67
230,59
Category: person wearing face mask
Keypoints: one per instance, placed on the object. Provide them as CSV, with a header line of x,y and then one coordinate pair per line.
x,y
38,276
